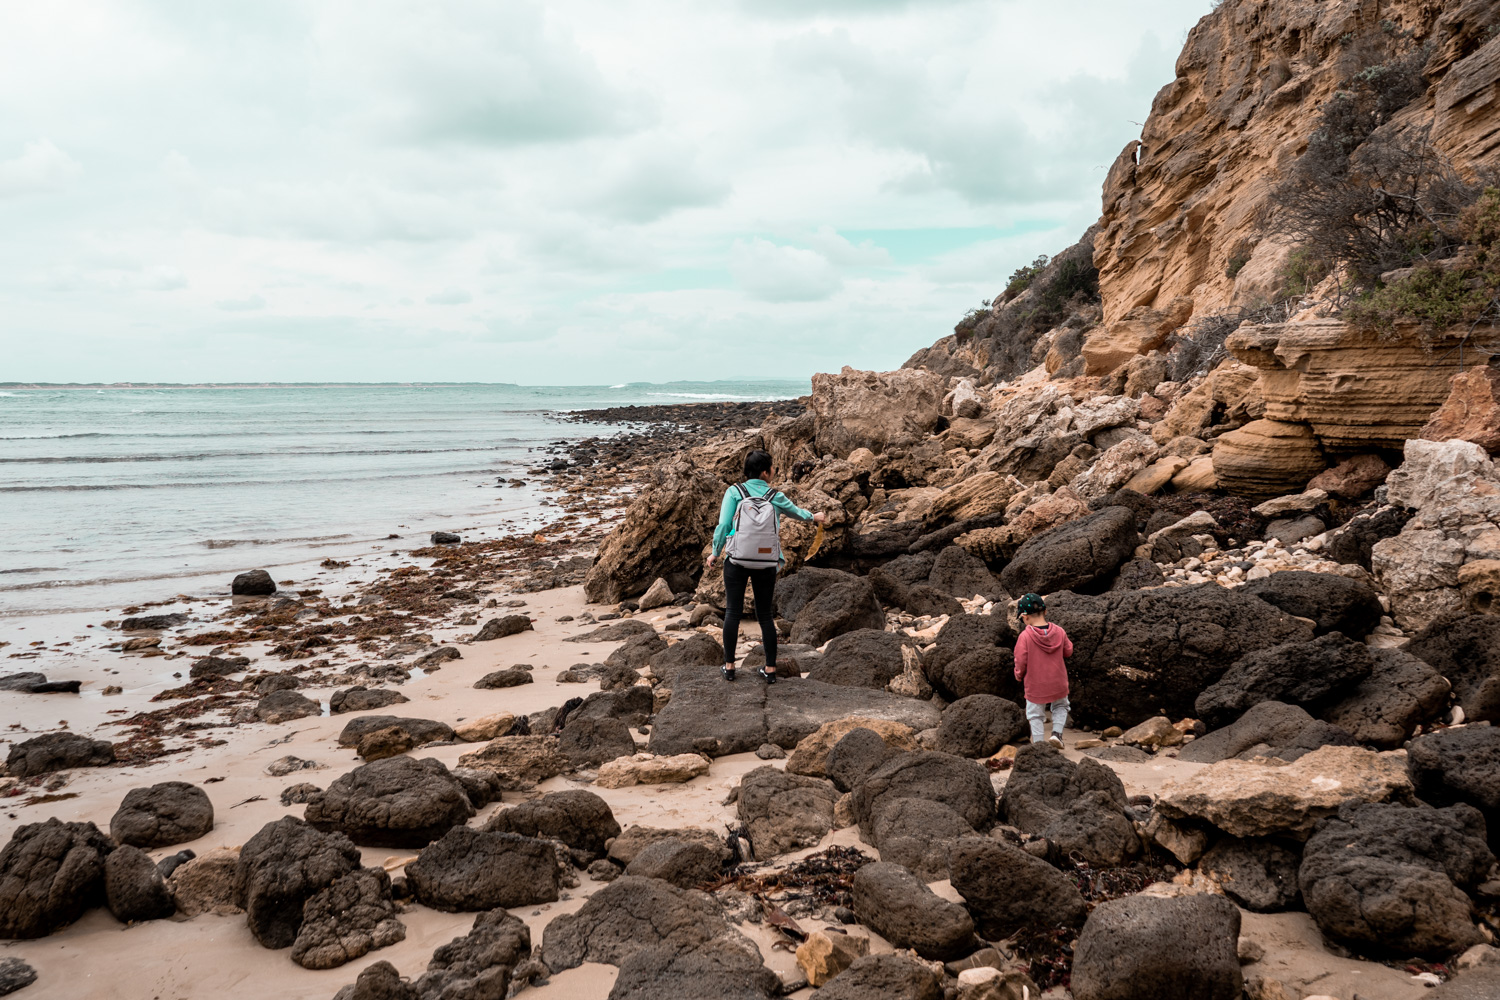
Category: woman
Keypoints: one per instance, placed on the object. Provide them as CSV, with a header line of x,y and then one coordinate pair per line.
x,y
762,579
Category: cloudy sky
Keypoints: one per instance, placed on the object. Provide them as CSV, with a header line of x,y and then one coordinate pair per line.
x,y
575,192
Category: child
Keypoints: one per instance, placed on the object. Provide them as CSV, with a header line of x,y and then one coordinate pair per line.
x,y
1040,667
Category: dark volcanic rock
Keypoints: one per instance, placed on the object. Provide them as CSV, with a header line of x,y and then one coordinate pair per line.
x,y
1312,675
217,666
979,725
899,907
153,623
866,657
1336,603
637,651
1466,650
883,977
1384,709
478,965
347,920
379,981
590,742
32,682
280,868
1460,765
918,835
632,705
785,811
499,628
470,869
1270,729
362,699
1138,574
133,888
957,573
856,755
723,968
578,818
286,705
49,874
1258,874
972,655
797,590
1076,555
57,752
253,583
1390,880
1147,948
629,914
1078,807
519,762
1142,653
1007,889
396,802
513,677
841,608
1351,543
683,863
422,730
961,785
14,974
173,812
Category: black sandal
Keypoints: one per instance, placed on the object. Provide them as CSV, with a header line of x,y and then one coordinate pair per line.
x,y
769,678
728,673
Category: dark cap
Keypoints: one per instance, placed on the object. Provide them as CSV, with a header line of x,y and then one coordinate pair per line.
x,y
1031,604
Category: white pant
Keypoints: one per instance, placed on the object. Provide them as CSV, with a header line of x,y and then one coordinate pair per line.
x,y
1035,715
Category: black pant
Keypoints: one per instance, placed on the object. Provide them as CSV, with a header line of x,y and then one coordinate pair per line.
x,y
763,585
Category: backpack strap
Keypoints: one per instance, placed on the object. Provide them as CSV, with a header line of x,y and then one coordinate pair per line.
x,y
744,493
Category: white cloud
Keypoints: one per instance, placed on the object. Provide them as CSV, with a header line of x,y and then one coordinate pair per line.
x,y
40,167
775,273
450,297
250,303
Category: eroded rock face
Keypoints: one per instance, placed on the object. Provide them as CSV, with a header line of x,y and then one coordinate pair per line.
x,y
1387,879
629,915
397,802
1309,674
1077,807
1168,949
973,655
874,410
421,730
207,884
173,812
784,811
347,920
1471,412
520,762
1140,654
283,866
479,964
899,907
662,533
588,742
1261,799
1007,889
1267,458
57,752
470,869
577,817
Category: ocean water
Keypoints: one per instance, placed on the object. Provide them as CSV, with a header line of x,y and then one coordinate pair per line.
x,y
116,496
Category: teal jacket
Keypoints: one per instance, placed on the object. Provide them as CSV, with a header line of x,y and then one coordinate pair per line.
x,y
756,488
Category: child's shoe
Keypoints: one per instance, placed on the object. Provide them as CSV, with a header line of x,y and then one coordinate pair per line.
x,y
1055,742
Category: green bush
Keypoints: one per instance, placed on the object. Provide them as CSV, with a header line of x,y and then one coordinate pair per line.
x,y
1022,277
1301,273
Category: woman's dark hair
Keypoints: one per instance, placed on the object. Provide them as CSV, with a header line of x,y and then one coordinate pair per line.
x,y
757,464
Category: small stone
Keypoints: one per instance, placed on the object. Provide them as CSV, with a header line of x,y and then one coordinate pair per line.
x,y
1087,744
1250,951
15,974
282,766
486,727
647,769
825,954
770,751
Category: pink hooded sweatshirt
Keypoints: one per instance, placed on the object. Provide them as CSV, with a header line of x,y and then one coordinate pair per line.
x,y
1039,662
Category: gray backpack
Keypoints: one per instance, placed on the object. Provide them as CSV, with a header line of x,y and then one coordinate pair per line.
x,y
756,542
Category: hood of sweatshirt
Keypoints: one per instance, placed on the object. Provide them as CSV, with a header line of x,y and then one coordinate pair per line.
x,y
1048,640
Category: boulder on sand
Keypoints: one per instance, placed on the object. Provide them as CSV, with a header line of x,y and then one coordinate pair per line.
x,y
378,981
283,866
979,725
470,869
1138,654
841,608
479,964
1336,603
1007,889
811,754
722,968
1150,948
49,874
284,706
207,883
173,812
1270,729
56,752
899,907
577,817
362,699
1313,675
499,628
520,762
961,785
630,914
1389,880
1076,555
347,920
1259,874
919,835
588,742
1079,808
133,888
685,864
252,583
396,802
784,812
866,657
859,754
